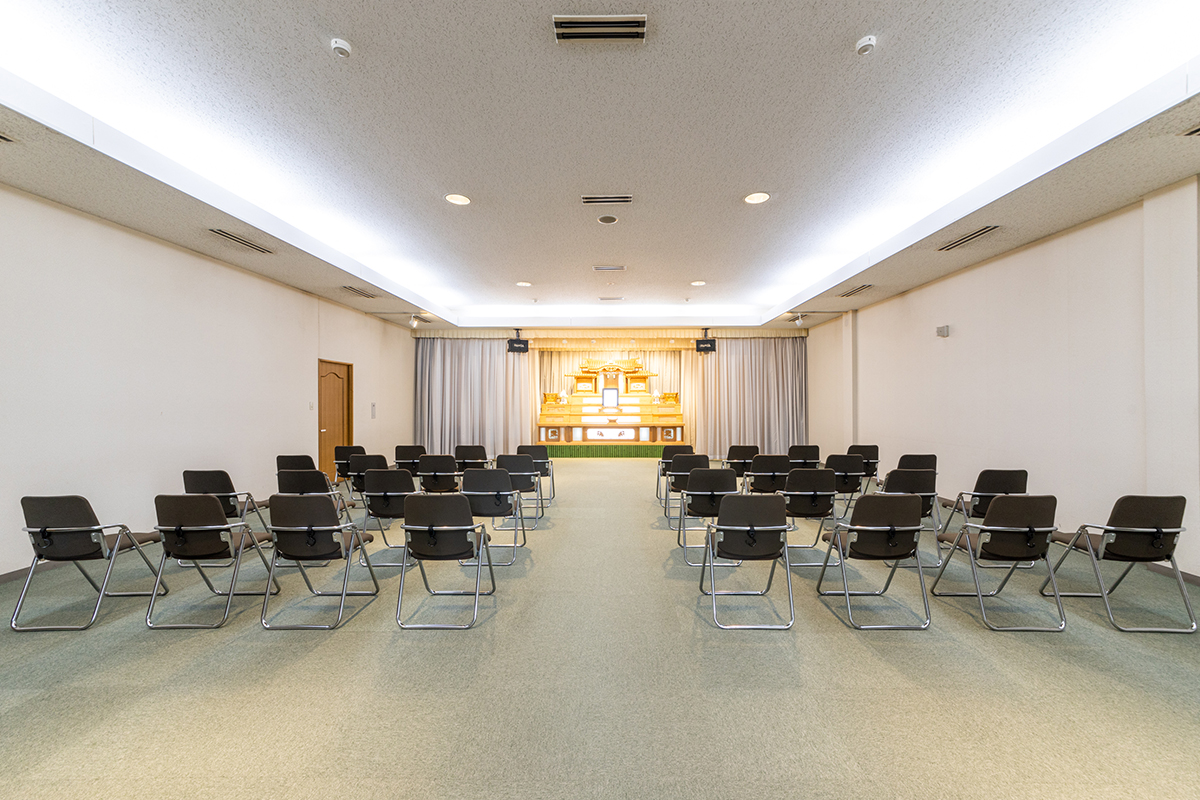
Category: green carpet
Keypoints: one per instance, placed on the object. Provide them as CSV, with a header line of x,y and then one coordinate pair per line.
x,y
596,672
605,450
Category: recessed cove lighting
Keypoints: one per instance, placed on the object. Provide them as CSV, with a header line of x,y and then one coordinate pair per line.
x,y
756,198
458,199
524,284
607,219
698,283
341,48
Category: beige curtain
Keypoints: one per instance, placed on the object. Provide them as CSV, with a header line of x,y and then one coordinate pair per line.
x,y
472,391
751,391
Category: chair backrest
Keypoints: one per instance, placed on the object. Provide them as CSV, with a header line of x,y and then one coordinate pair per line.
x,y
997,481
215,482
895,513
540,455
470,455
294,462
752,526
669,451
182,519
302,481
521,470
359,464
1031,514
769,473
1160,516
315,517
682,466
407,456
385,490
74,520
341,457
804,456
810,492
451,513
437,472
706,488
489,491
848,470
739,457
917,461
870,454
913,481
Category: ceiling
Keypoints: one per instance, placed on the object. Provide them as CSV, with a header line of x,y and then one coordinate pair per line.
x,y
237,115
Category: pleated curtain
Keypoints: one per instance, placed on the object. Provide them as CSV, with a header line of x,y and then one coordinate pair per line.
x,y
472,391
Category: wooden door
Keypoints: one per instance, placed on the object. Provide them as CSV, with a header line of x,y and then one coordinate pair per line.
x,y
335,415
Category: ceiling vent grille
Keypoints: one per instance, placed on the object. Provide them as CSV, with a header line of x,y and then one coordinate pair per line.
x,y
1193,132
856,290
575,27
606,199
233,237
970,237
612,298
7,140
607,268
360,292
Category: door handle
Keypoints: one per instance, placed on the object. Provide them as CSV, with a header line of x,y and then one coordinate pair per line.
x,y
322,430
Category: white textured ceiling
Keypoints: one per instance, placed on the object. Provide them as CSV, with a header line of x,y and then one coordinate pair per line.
x,y
475,97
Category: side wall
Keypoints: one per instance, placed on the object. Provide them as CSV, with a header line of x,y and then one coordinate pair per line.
x,y
127,360
1075,358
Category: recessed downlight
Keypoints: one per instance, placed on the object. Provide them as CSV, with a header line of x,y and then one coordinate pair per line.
x,y
458,199
607,219
698,283
756,198
524,284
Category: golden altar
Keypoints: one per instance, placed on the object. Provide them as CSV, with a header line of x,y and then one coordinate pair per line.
x,y
611,403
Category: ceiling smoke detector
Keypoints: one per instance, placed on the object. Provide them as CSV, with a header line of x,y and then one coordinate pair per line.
x,y
865,46
584,27
340,47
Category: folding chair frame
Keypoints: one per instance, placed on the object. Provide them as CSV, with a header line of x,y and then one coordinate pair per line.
x,y
339,532
518,518
480,540
851,532
716,534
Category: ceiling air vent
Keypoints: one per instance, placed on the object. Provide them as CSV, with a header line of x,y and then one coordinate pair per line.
x,y
605,268
233,237
970,237
574,27
1193,132
606,199
856,290
7,140
360,292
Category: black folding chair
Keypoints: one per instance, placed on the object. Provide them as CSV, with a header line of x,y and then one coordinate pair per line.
x,y
294,462
492,495
989,484
809,494
1016,529
870,456
526,479
541,460
669,451
356,470
195,528
310,481
701,498
341,462
767,474
408,456
804,456
922,483
438,473
848,473
677,478
441,528
216,482
748,528
882,528
739,457
471,456
64,528
1141,529
307,529
384,493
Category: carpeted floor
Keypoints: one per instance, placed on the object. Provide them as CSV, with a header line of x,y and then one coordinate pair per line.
x,y
596,671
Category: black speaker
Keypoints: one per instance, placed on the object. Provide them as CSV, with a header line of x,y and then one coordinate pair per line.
x,y
518,345
706,345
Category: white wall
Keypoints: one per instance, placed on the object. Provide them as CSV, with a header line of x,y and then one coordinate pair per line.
x,y
825,380
126,360
1074,358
